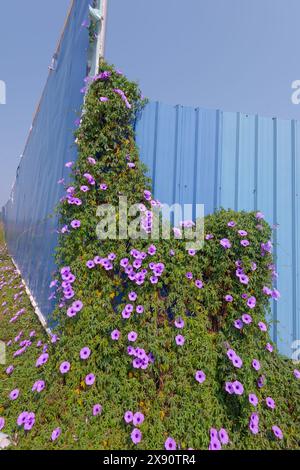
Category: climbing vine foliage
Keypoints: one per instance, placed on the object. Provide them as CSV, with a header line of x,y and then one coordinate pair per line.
x,y
155,346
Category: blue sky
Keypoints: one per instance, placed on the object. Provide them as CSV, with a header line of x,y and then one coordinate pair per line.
x,y
29,32
237,55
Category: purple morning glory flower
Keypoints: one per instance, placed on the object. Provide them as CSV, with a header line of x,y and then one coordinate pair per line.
x,y
147,195
238,388
14,394
276,294
43,359
22,418
237,362
2,423
253,399
225,243
261,381
139,309
254,418
199,284
136,436
228,298
229,388
277,432
244,279
232,223
132,296
65,367
55,434
267,291
115,335
138,419
77,305
242,233
152,250
125,314
238,324
91,160
132,336
262,326
253,428
247,319
256,364
90,379
179,323
180,340
170,444
29,421
9,370
270,403
231,354
128,417
253,266
269,347
297,373
215,444
38,386
97,410
223,436
266,247
85,353
200,376
124,262
75,224
71,312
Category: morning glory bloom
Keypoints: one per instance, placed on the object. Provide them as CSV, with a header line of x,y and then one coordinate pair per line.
x,y
256,364
277,432
170,444
225,243
251,302
297,373
253,399
200,376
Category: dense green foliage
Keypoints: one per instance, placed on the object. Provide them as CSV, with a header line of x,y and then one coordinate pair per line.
x,y
173,402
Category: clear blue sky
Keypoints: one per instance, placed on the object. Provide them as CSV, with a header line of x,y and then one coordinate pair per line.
x,y
237,55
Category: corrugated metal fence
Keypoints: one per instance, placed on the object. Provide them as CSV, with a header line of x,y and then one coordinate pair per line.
x,y
237,161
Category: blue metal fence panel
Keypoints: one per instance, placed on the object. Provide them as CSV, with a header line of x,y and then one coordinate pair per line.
x,y
30,232
237,161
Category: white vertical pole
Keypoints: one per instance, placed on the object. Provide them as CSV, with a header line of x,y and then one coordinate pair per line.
x,y
103,27
100,46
